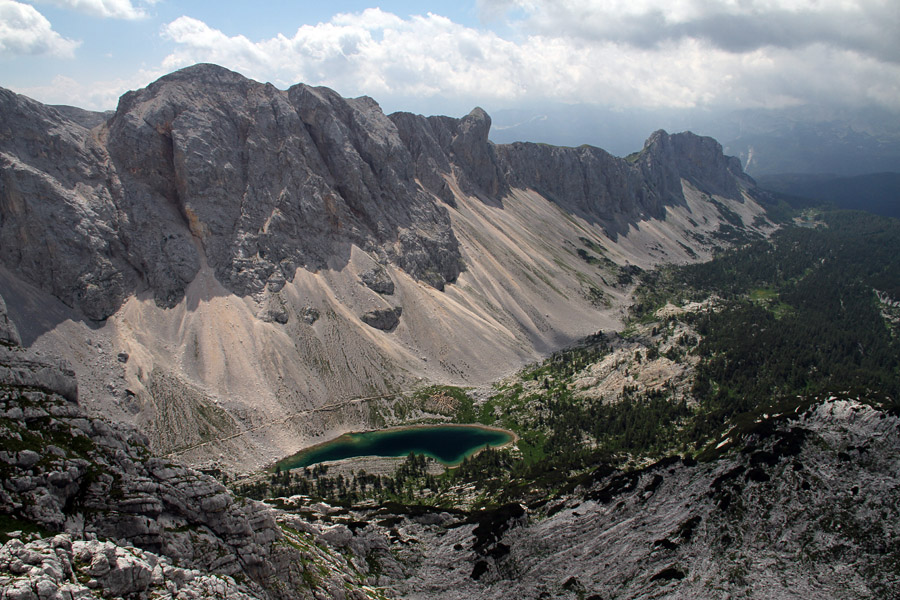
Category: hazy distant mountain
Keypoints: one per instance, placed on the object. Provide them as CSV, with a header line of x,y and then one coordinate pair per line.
x,y
766,141
786,142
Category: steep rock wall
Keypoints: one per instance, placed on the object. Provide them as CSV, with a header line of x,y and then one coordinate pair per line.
x,y
262,181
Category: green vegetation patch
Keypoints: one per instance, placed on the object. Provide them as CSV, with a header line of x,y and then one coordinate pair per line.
x,y
797,315
446,400
9,524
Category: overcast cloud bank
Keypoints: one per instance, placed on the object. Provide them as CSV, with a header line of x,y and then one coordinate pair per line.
x,y
616,54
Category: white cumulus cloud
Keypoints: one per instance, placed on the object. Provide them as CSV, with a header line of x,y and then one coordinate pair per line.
x,y
372,52
25,31
429,56
102,94
107,9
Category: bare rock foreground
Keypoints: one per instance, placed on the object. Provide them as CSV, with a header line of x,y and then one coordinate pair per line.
x,y
806,508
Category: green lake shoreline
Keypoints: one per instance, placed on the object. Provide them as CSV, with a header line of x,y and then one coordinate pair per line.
x,y
373,437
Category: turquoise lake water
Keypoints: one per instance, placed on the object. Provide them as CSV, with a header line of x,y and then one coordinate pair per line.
x,y
448,444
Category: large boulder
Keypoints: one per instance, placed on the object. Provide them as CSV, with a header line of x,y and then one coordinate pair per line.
x,y
385,319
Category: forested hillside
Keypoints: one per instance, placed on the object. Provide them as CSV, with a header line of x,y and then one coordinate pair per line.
x,y
748,412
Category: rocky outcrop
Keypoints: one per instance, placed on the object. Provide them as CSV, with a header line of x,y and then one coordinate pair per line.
x,y
59,222
63,567
446,149
27,369
471,151
666,159
309,315
585,181
205,164
616,192
9,335
175,531
31,370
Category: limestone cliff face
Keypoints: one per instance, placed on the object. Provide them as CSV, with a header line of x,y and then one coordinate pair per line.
x,y
59,221
666,159
444,147
586,181
614,192
266,181
269,181
206,165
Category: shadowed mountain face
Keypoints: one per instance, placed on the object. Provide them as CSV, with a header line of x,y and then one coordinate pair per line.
x,y
223,253
206,165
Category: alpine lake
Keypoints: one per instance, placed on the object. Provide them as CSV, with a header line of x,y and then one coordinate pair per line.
x,y
447,444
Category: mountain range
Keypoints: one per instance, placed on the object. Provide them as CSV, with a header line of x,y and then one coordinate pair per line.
x,y
878,193
768,141
219,258
220,273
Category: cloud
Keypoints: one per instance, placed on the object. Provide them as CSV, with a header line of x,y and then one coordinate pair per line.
x,y
373,52
90,95
429,56
107,9
865,26
25,31
197,38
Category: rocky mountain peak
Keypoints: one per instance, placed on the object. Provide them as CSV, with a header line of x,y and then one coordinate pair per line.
x,y
206,74
206,77
207,165
473,152
475,126
700,160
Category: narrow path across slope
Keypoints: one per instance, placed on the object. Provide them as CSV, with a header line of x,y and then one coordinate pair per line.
x,y
280,421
